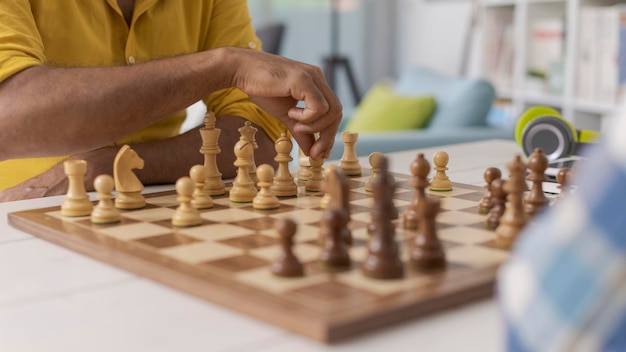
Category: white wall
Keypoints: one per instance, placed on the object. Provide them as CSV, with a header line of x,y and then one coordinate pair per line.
x,y
432,34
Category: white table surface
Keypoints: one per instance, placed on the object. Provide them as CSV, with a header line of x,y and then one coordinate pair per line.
x,y
53,299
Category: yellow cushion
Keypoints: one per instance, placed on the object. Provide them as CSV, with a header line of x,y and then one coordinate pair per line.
x,y
383,110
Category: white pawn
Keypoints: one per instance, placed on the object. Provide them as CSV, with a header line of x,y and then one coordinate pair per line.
x,y
201,198
349,161
375,160
314,183
243,190
76,201
105,211
185,215
283,184
265,200
440,181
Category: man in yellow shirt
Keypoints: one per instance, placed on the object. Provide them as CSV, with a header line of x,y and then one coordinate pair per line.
x,y
79,78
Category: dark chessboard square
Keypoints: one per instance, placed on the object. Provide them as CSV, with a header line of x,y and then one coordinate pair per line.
x,y
251,241
474,196
359,195
258,224
359,209
471,210
404,185
406,196
237,264
213,208
470,187
168,240
355,183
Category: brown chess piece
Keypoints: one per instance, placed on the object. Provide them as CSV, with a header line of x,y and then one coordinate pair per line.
x,y
427,252
514,218
486,203
337,197
335,253
536,200
383,258
287,265
562,178
498,198
420,168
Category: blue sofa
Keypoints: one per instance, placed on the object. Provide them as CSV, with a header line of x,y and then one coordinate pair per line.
x,y
462,107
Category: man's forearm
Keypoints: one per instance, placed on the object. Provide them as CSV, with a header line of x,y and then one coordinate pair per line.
x,y
106,103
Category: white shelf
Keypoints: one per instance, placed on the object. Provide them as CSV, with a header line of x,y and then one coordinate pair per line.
x,y
507,24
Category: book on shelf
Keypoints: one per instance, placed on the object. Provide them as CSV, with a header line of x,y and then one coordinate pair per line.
x,y
545,45
601,66
498,49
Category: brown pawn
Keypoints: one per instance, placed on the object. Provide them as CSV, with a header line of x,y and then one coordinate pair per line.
x,y
420,168
485,204
427,252
536,200
498,198
334,225
383,258
562,178
514,218
287,265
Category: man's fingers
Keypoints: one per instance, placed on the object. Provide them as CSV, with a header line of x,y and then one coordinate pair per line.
x,y
305,142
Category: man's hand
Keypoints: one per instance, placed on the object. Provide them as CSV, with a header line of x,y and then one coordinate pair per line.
x,y
277,84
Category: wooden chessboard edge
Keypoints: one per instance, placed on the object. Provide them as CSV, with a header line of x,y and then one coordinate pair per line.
x,y
304,323
403,315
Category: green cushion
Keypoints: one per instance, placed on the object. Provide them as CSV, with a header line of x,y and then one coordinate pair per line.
x,y
383,110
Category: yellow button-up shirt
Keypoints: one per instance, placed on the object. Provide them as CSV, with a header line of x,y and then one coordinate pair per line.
x,y
94,33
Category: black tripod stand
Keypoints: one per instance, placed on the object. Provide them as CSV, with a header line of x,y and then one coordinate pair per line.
x,y
335,61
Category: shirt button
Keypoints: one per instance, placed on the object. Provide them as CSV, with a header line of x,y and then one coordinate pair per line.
x,y
131,60
252,45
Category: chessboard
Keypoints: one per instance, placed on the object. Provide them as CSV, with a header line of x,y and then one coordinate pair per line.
x,y
226,260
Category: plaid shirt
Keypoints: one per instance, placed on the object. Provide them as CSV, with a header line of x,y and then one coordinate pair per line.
x,y
564,288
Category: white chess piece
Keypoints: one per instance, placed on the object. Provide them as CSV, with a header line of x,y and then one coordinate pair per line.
x,y
185,215
265,199
76,201
105,211
283,184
